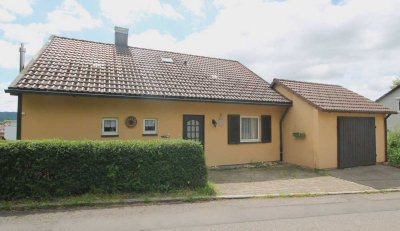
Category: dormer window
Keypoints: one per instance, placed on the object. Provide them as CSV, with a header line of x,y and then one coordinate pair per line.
x,y
167,60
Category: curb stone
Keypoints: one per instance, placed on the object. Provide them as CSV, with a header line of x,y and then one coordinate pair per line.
x,y
157,200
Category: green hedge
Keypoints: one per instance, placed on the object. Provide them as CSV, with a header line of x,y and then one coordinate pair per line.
x,y
394,147
52,168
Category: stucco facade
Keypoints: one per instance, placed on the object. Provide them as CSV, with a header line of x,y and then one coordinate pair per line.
x,y
77,118
318,149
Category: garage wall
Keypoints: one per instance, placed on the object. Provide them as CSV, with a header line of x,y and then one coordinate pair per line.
x,y
327,145
301,117
319,148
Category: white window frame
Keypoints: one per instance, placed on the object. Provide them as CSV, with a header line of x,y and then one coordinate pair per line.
x,y
149,132
107,133
258,129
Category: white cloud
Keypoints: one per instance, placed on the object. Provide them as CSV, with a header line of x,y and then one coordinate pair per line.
x,y
12,57
122,12
7,102
70,16
154,40
9,9
354,44
194,6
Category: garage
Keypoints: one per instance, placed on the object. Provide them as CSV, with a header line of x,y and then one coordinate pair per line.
x,y
356,141
329,126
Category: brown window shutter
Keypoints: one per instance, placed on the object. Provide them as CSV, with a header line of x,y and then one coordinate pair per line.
x,y
266,129
233,129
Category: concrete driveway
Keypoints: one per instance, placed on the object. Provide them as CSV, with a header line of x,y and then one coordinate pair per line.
x,y
376,176
289,179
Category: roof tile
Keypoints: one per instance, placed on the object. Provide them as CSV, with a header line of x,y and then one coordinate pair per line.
x,y
76,66
328,97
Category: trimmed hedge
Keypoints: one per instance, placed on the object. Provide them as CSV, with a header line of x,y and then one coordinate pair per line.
x,y
52,168
393,148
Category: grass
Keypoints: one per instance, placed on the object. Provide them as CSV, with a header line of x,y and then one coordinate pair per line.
x,y
185,195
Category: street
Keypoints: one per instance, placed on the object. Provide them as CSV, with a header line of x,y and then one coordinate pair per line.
x,y
336,212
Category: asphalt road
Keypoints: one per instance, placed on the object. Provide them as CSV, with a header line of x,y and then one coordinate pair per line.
x,y
345,212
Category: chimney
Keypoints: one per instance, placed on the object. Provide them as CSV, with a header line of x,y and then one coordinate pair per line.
x,y
21,57
121,36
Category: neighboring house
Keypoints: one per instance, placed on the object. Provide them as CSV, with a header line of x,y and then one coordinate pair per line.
x,y
78,89
392,100
10,129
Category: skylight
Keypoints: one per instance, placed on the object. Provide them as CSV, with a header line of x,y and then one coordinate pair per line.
x,y
167,60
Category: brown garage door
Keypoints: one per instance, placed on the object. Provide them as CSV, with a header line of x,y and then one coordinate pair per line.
x,y
356,141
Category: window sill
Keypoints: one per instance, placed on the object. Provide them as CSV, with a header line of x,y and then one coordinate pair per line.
x,y
149,134
109,135
251,142
255,142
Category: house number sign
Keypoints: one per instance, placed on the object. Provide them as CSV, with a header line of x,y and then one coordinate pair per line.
x,y
130,121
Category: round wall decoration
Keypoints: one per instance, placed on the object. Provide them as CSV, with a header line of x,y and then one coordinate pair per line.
x,y
130,121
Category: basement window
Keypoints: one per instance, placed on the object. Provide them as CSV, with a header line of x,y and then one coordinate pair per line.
x,y
109,127
167,60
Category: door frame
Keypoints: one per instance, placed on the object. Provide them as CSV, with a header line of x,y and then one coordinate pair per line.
x,y
202,128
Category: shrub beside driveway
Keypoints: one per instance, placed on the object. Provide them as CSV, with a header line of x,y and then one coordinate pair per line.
x,y
393,148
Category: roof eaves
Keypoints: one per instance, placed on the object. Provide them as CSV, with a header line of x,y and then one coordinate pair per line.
x,y
359,111
16,91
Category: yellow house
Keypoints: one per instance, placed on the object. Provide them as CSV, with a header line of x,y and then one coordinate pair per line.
x,y
76,89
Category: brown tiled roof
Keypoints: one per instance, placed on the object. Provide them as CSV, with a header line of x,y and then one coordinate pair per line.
x,y
333,98
71,66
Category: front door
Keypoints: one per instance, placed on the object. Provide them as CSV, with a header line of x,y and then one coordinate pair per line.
x,y
193,128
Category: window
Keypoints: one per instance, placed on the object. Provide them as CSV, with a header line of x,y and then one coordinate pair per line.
x,y
167,60
249,129
110,127
150,126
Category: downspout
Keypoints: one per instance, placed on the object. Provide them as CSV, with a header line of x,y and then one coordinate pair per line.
x,y
22,51
280,134
19,116
385,133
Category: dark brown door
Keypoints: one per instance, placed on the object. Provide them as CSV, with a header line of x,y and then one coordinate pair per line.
x,y
193,128
356,141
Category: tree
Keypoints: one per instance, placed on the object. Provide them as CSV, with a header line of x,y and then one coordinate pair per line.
x,y
396,82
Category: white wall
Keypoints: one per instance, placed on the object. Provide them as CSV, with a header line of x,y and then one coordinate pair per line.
x,y
392,101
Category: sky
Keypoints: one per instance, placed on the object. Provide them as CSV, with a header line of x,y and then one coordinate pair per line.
x,y
353,43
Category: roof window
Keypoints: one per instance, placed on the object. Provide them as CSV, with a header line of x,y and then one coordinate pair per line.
x,y
167,60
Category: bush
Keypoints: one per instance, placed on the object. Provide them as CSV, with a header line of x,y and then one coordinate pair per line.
x,y
52,168
394,148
